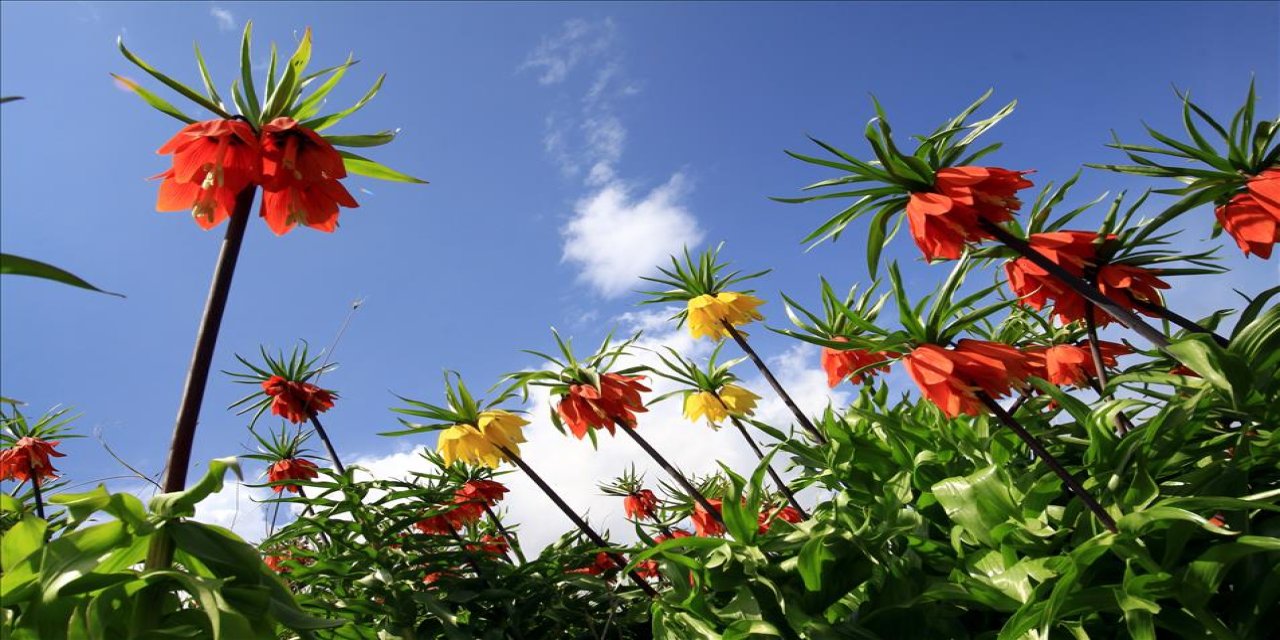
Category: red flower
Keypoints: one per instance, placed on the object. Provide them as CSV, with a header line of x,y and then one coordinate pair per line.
x,y
1252,216
437,525
950,378
647,568
602,563
291,469
496,545
1074,251
675,534
842,363
705,524
296,401
1072,365
480,492
1126,285
277,563
640,505
213,161
617,400
300,178
29,458
944,220
769,514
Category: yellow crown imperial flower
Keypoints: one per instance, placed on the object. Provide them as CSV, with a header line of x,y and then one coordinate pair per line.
x,y
732,401
707,314
483,445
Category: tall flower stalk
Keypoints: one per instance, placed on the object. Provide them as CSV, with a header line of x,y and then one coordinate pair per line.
x,y
714,311
218,167
713,393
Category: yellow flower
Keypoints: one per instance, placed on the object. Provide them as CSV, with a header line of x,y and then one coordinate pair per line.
x,y
707,313
483,445
465,442
704,403
503,429
738,401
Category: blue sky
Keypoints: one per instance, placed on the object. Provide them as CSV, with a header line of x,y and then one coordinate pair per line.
x,y
567,146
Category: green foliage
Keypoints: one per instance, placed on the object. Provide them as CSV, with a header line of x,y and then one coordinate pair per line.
x,y
87,581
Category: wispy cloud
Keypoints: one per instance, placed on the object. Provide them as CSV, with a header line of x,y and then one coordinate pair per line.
x,y
226,20
587,142
557,55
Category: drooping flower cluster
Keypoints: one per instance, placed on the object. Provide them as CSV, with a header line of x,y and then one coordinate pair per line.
x,y
707,314
28,459
705,524
855,365
296,401
483,443
616,400
215,161
946,219
603,563
1252,217
641,504
718,406
951,378
1072,365
1077,253
291,469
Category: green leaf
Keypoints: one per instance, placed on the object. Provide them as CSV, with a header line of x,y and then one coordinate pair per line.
x,y
19,266
369,140
181,504
183,89
152,99
254,111
362,166
324,122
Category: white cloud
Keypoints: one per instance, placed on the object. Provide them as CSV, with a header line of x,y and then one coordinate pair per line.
x,y
590,144
226,21
615,238
242,509
556,56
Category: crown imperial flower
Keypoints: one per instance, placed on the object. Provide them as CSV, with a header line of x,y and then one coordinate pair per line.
x,y
946,218
707,314
951,378
28,459
291,469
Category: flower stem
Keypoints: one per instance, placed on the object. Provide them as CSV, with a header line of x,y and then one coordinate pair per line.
x,y
502,529
671,471
35,493
773,382
777,480
576,519
1181,320
160,554
1095,350
1088,291
324,437
1043,454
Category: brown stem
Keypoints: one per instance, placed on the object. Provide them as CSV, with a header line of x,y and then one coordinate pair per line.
x,y
1043,454
777,480
506,535
324,437
160,554
576,519
1181,320
35,493
1088,291
672,471
773,382
1095,351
